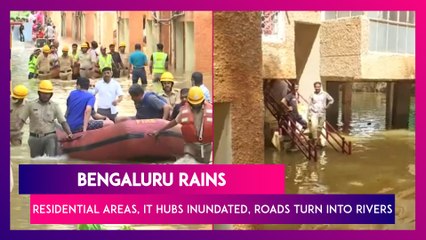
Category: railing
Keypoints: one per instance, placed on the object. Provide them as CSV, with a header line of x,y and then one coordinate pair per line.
x,y
288,124
342,144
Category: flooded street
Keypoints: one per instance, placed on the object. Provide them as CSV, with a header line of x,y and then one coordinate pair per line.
x,y
20,155
381,162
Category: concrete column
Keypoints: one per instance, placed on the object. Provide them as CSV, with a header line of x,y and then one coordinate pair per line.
x,y
389,103
238,81
333,110
135,29
401,104
346,106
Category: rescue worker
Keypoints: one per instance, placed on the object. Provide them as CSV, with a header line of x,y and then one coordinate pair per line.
x,y
32,64
17,103
44,63
42,114
86,62
171,95
105,60
196,118
158,64
124,59
65,65
74,51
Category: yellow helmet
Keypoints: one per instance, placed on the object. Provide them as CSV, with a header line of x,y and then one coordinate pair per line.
x,y
84,45
65,49
46,49
195,95
167,77
45,86
122,44
20,91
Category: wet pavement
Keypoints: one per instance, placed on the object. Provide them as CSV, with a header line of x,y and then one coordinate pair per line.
x,y
20,155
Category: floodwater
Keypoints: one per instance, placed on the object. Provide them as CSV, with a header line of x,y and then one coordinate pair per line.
x,y
20,155
381,162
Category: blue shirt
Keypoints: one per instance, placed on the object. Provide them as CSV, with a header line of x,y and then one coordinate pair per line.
x,y
76,105
150,106
138,59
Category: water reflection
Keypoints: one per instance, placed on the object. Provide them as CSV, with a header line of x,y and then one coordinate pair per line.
x,y
20,155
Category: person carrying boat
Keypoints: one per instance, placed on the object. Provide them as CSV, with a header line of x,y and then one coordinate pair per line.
x,y
17,103
65,65
42,114
80,104
44,63
170,94
32,64
148,105
110,94
196,118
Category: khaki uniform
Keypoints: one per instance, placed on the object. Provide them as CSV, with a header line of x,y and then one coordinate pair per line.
x,y
65,67
197,151
42,116
15,131
172,100
86,66
44,64
126,65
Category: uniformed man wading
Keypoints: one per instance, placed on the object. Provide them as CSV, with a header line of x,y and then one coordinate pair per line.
x,y
196,118
86,61
170,94
17,103
65,65
44,63
42,114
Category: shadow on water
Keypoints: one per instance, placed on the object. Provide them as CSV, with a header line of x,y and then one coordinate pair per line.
x,y
20,155
382,162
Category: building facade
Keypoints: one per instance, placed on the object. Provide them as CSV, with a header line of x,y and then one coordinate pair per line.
x,y
186,35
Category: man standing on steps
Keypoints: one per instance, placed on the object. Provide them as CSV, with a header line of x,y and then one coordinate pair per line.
x,y
318,102
291,101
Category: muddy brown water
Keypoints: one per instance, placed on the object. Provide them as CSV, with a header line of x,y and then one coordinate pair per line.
x,y
20,155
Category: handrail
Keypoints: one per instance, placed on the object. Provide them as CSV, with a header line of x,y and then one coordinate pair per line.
x,y
328,126
283,120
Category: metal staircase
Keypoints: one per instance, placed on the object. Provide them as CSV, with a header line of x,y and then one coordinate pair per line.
x,y
288,126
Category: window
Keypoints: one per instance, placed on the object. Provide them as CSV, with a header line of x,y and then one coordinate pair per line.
x,y
341,14
392,31
273,26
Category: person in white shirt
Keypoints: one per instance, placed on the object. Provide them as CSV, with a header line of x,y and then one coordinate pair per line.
x,y
197,80
109,94
318,102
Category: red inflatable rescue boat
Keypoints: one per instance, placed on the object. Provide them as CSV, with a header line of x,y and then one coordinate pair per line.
x,y
128,141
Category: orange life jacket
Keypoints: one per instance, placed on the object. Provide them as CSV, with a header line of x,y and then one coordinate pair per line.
x,y
189,130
